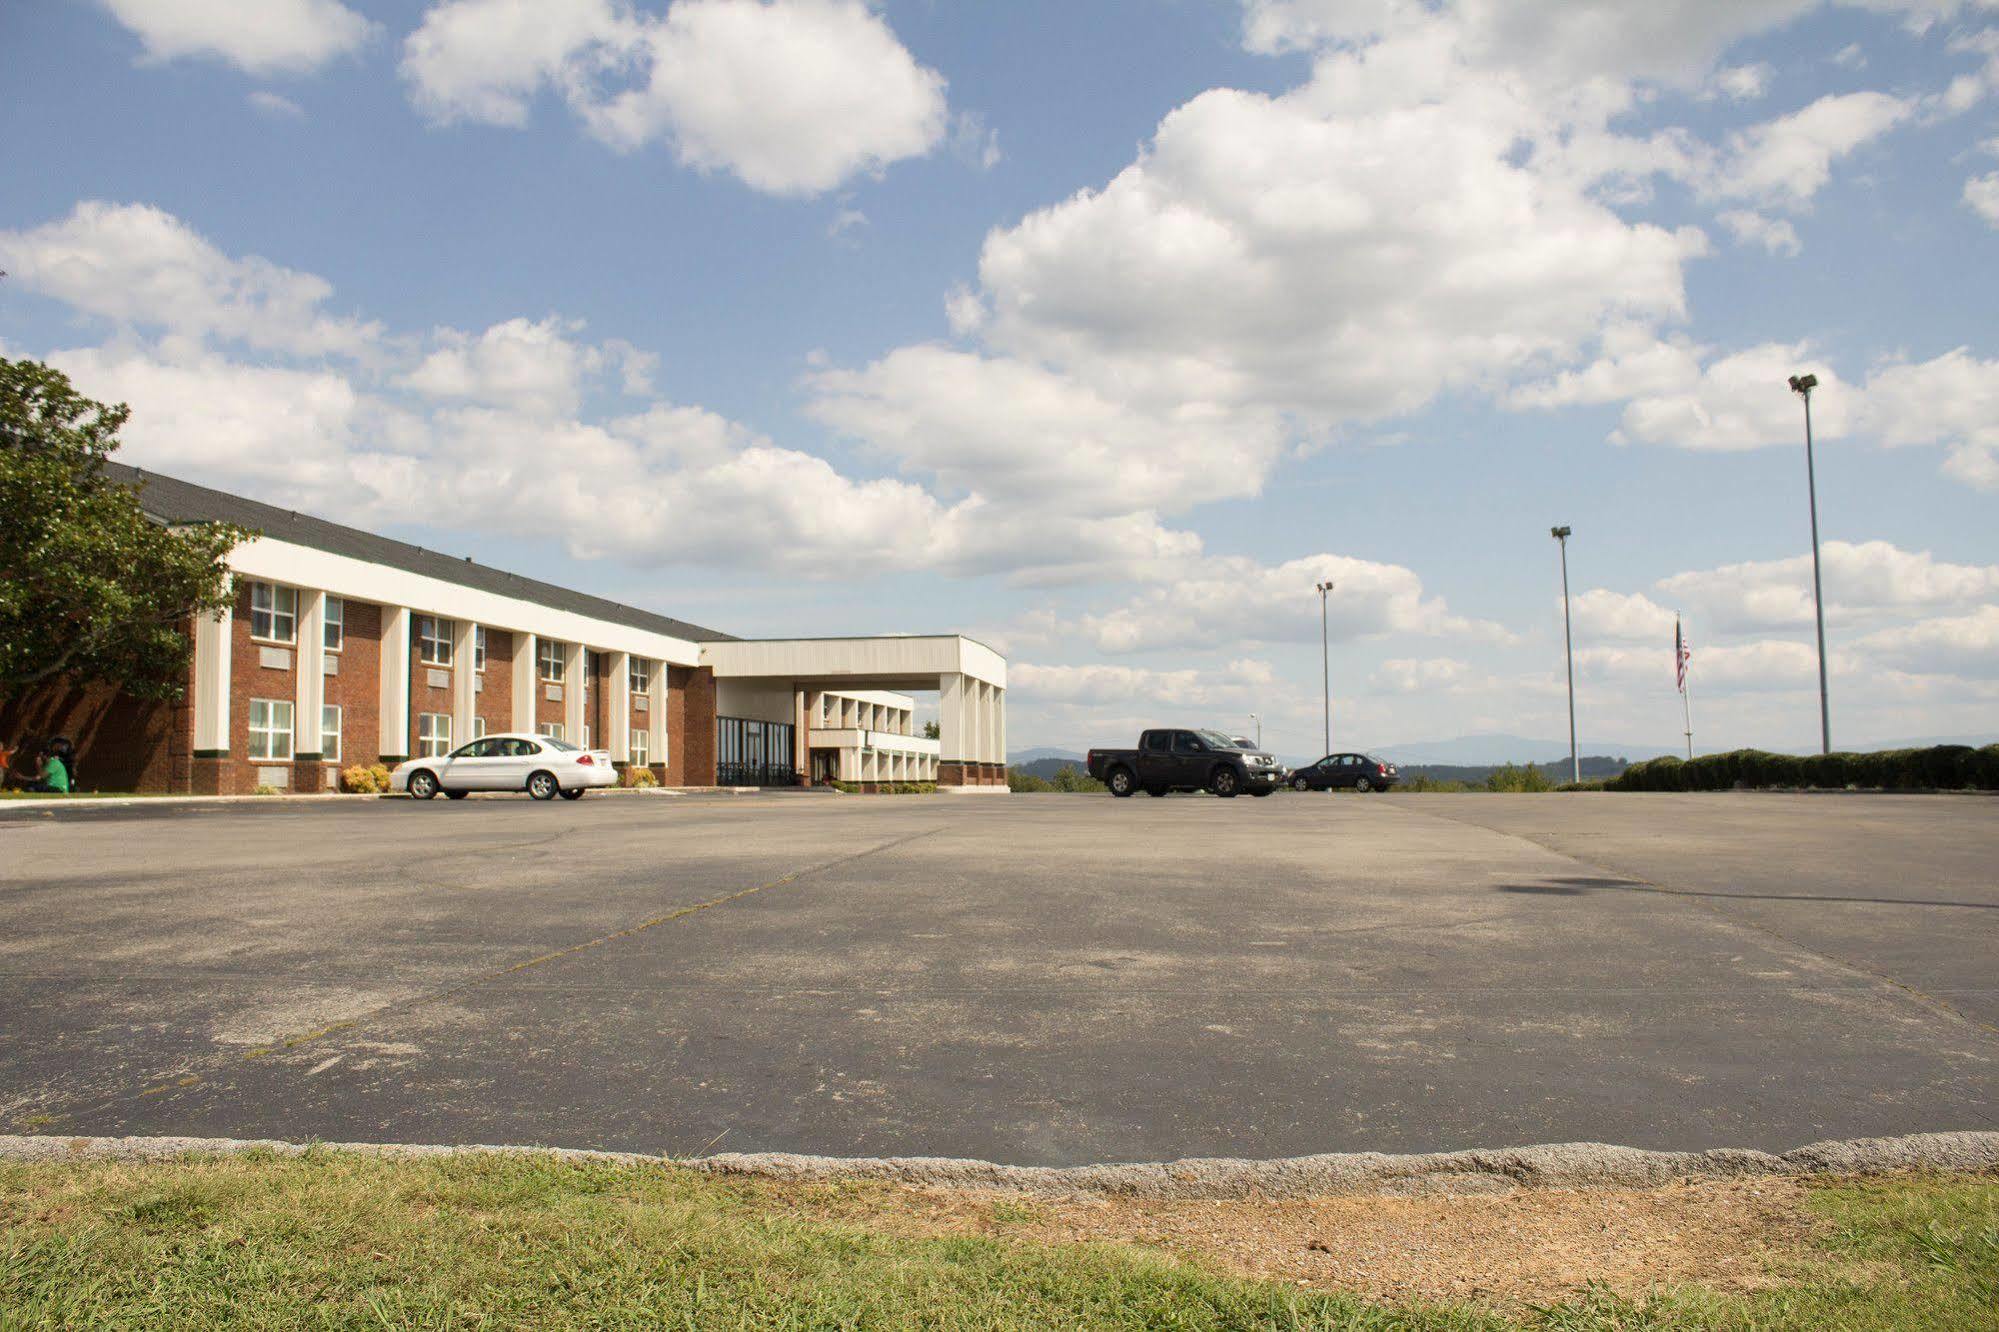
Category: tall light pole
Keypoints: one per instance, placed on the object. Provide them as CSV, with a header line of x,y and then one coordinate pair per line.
x,y
1561,535
1325,664
1259,729
1802,385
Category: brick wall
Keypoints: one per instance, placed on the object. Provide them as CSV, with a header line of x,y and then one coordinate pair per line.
x,y
495,703
357,687
425,696
122,743
690,726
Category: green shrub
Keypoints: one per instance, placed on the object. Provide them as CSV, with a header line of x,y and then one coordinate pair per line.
x,y
1027,783
1939,768
634,777
265,789
1514,778
1431,784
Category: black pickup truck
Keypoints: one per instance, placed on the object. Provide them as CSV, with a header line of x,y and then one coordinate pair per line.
x,y
1176,760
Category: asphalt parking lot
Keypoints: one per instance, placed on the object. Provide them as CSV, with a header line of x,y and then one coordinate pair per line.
x,y
1044,980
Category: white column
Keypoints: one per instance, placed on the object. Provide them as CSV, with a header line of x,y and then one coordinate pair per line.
x,y
999,723
310,693
656,713
953,743
576,661
464,679
527,680
394,744
211,683
618,707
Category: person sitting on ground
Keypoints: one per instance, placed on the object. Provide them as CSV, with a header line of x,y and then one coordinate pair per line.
x,y
54,778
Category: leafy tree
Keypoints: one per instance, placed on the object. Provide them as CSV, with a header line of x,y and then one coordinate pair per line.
x,y
90,587
931,731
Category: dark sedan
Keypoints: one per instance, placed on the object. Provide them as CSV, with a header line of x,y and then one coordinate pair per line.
x,y
1335,771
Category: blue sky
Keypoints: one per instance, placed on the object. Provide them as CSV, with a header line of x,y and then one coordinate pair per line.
x,y
1099,331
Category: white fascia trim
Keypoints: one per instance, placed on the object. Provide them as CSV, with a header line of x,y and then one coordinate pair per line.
x,y
343,576
867,661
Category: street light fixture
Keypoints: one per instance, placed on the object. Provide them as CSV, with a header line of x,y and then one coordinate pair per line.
x,y
1259,729
1802,385
1561,535
1325,664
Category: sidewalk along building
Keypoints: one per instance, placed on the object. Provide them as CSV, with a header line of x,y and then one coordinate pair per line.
x,y
347,647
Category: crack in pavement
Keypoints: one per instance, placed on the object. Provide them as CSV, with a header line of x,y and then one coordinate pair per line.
x,y
189,1073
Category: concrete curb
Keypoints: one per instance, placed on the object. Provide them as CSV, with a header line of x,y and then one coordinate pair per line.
x,y
1481,1170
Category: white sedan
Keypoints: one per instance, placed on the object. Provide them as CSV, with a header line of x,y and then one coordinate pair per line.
x,y
537,764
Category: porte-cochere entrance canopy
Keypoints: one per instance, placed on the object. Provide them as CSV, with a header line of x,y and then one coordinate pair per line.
x,y
839,697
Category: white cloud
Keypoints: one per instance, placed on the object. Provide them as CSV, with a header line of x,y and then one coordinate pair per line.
x,y
1670,41
266,37
1741,83
486,60
1965,645
1850,56
199,413
1788,160
1737,401
1601,613
141,267
1238,683
1341,252
1011,431
531,367
1774,234
1951,400
1864,580
273,105
1222,602
793,97
1982,194
1426,675
1764,666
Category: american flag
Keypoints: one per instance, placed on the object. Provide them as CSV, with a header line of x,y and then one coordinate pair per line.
x,y
1682,650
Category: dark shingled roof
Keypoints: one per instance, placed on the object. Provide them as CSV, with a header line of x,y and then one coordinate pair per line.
x,y
174,501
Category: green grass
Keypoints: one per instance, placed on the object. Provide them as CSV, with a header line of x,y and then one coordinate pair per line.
x,y
345,1241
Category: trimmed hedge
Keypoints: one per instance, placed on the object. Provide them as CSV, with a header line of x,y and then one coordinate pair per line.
x,y
1940,768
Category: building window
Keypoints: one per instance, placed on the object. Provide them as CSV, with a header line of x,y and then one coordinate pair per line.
x,y
336,624
274,612
433,735
270,729
478,728
433,637
586,737
549,730
641,676
550,656
825,707
479,647
641,747
329,733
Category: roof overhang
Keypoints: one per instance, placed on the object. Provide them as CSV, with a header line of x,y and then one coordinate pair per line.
x,y
898,662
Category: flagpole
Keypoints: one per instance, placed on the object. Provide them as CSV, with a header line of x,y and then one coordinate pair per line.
x,y
1687,711
1681,660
